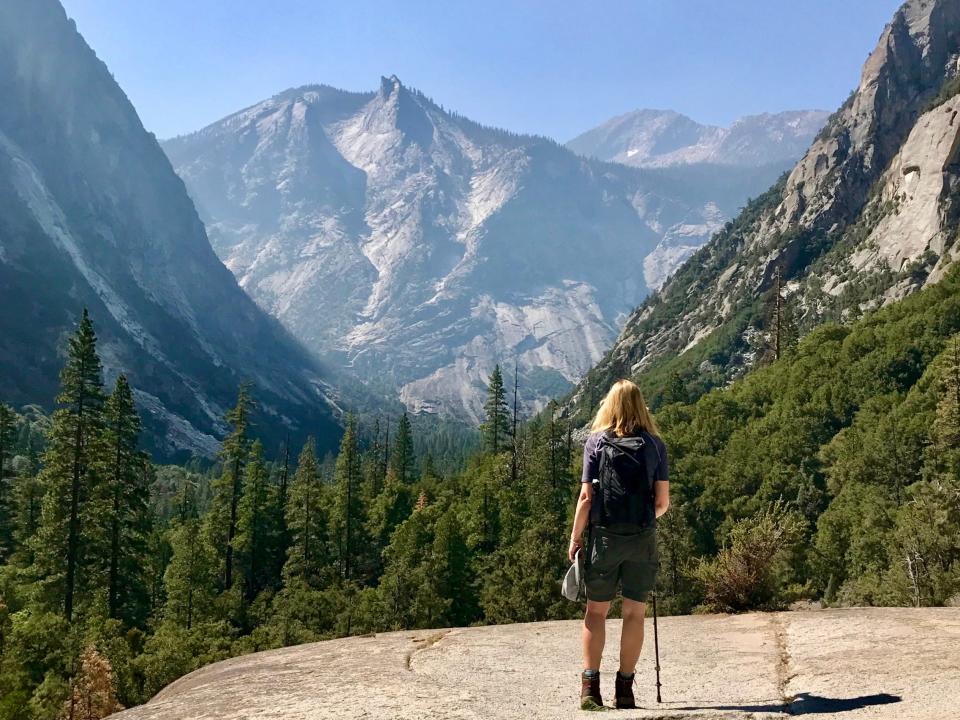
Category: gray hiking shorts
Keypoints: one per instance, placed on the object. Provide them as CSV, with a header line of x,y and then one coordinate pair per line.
x,y
621,557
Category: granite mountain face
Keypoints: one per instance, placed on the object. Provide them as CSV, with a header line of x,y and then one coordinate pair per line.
x,y
663,138
419,248
868,215
93,215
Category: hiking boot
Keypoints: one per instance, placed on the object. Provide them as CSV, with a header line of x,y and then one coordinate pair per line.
x,y
590,692
624,692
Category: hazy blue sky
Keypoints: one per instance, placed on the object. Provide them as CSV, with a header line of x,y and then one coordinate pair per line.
x,y
554,67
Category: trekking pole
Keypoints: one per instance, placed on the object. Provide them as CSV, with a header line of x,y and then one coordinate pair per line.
x,y
656,645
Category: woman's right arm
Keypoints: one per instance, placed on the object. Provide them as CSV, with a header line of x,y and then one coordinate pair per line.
x,y
582,515
580,518
661,496
661,485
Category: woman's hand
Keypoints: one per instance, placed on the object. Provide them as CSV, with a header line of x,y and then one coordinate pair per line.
x,y
574,546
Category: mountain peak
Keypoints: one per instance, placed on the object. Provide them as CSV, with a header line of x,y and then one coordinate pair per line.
x,y
389,85
438,246
657,138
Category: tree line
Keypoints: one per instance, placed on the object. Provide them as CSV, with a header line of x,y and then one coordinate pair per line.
x,y
118,575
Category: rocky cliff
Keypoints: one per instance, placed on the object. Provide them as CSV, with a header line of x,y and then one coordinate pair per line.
x,y
93,215
867,215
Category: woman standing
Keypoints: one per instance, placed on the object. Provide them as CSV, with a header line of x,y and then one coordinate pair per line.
x,y
624,488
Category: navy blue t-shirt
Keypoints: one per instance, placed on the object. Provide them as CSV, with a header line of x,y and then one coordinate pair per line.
x,y
591,457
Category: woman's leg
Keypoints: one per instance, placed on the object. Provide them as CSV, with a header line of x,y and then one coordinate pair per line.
x,y
631,637
594,633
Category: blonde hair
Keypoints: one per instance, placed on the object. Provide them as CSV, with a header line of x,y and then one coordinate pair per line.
x,y
624,411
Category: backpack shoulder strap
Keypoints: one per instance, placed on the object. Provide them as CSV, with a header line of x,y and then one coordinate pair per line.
x,y
626,452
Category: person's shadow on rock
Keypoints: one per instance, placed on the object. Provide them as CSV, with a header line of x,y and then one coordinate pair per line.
x,y
802,704
807,704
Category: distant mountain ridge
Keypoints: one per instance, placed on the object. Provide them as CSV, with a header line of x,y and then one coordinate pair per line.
x,y
92,214
868,215
419,248
661,138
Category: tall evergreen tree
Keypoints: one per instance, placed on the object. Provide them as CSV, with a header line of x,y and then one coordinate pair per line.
x,y
451,557
410,587
70,476
307,555
373,471
191,577
27,504
781,321
513,431
373,467
186,500
346,522
385,512
402,457
222,518
282,540
126,489
556,455
676,391
496,429
7,418
257,524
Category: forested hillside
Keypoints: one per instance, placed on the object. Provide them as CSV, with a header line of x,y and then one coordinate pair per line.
x,y
857,428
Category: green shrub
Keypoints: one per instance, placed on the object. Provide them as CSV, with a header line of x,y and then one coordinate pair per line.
x,y
747,573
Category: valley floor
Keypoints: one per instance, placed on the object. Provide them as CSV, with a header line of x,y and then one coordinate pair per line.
x,y
850,663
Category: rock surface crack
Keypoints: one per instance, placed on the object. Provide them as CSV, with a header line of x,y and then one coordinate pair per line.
x,y
422,643
784,676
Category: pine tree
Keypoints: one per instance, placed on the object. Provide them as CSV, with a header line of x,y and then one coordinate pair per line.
x,y
7,418
257,524
190,578
126,488
782,323
186,500
523,576
27,499
452,567
410,587
307,555
556,456
388,509
69,478
346,520
402,458
282,541
676,391
222,518
513,431
496,429
373,467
